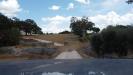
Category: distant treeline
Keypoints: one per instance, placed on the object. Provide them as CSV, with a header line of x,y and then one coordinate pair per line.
x,y
65,32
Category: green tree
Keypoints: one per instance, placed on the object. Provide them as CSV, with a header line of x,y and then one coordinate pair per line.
x,y
95,29
32,27
80,27
9,34
113,39
5,22
96,43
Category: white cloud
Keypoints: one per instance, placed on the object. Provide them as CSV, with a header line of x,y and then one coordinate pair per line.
x,y
60,23
112,3
83,1
54,7
9,7
56,24
70,6
112,18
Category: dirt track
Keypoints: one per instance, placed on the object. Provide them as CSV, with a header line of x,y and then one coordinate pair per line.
x,y
69,55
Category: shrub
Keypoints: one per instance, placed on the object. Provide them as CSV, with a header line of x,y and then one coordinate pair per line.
x,y
9,37
9,31
113,39
96,43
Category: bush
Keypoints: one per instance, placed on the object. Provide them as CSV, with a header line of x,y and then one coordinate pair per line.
x,y
9,37
113,39
96,43
9,31
84,39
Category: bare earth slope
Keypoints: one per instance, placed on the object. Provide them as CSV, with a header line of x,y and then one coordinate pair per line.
x,y
69,44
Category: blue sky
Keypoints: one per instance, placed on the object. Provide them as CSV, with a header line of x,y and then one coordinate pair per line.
x,y
54,15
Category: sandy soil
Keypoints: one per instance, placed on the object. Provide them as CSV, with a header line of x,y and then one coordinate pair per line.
x,y
69,55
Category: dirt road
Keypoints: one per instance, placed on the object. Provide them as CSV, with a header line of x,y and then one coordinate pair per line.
x,y
46,41
69,55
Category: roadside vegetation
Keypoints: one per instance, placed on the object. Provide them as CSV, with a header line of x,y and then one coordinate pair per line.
x,y
81,26
11,32
11,28
116,40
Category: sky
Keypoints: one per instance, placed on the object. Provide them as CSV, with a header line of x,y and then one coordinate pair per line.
x,y
54,16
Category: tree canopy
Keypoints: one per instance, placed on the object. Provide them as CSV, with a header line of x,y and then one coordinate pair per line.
x,y
29,26
81,26
10,29
113,39
9,33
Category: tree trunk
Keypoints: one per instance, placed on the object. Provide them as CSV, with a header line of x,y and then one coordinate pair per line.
x,y
84,33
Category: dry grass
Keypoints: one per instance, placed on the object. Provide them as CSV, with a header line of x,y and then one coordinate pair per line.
x,y
71,42
55,38
11,57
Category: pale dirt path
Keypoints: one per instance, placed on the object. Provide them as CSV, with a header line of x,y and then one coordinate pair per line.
x,y
45,41
69,55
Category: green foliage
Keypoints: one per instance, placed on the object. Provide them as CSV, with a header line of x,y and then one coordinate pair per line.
x,y
9,34
5,22
14,36
86,38
96,43
95,29
31,27
9,37
81,26
114,39
129,1
10,29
